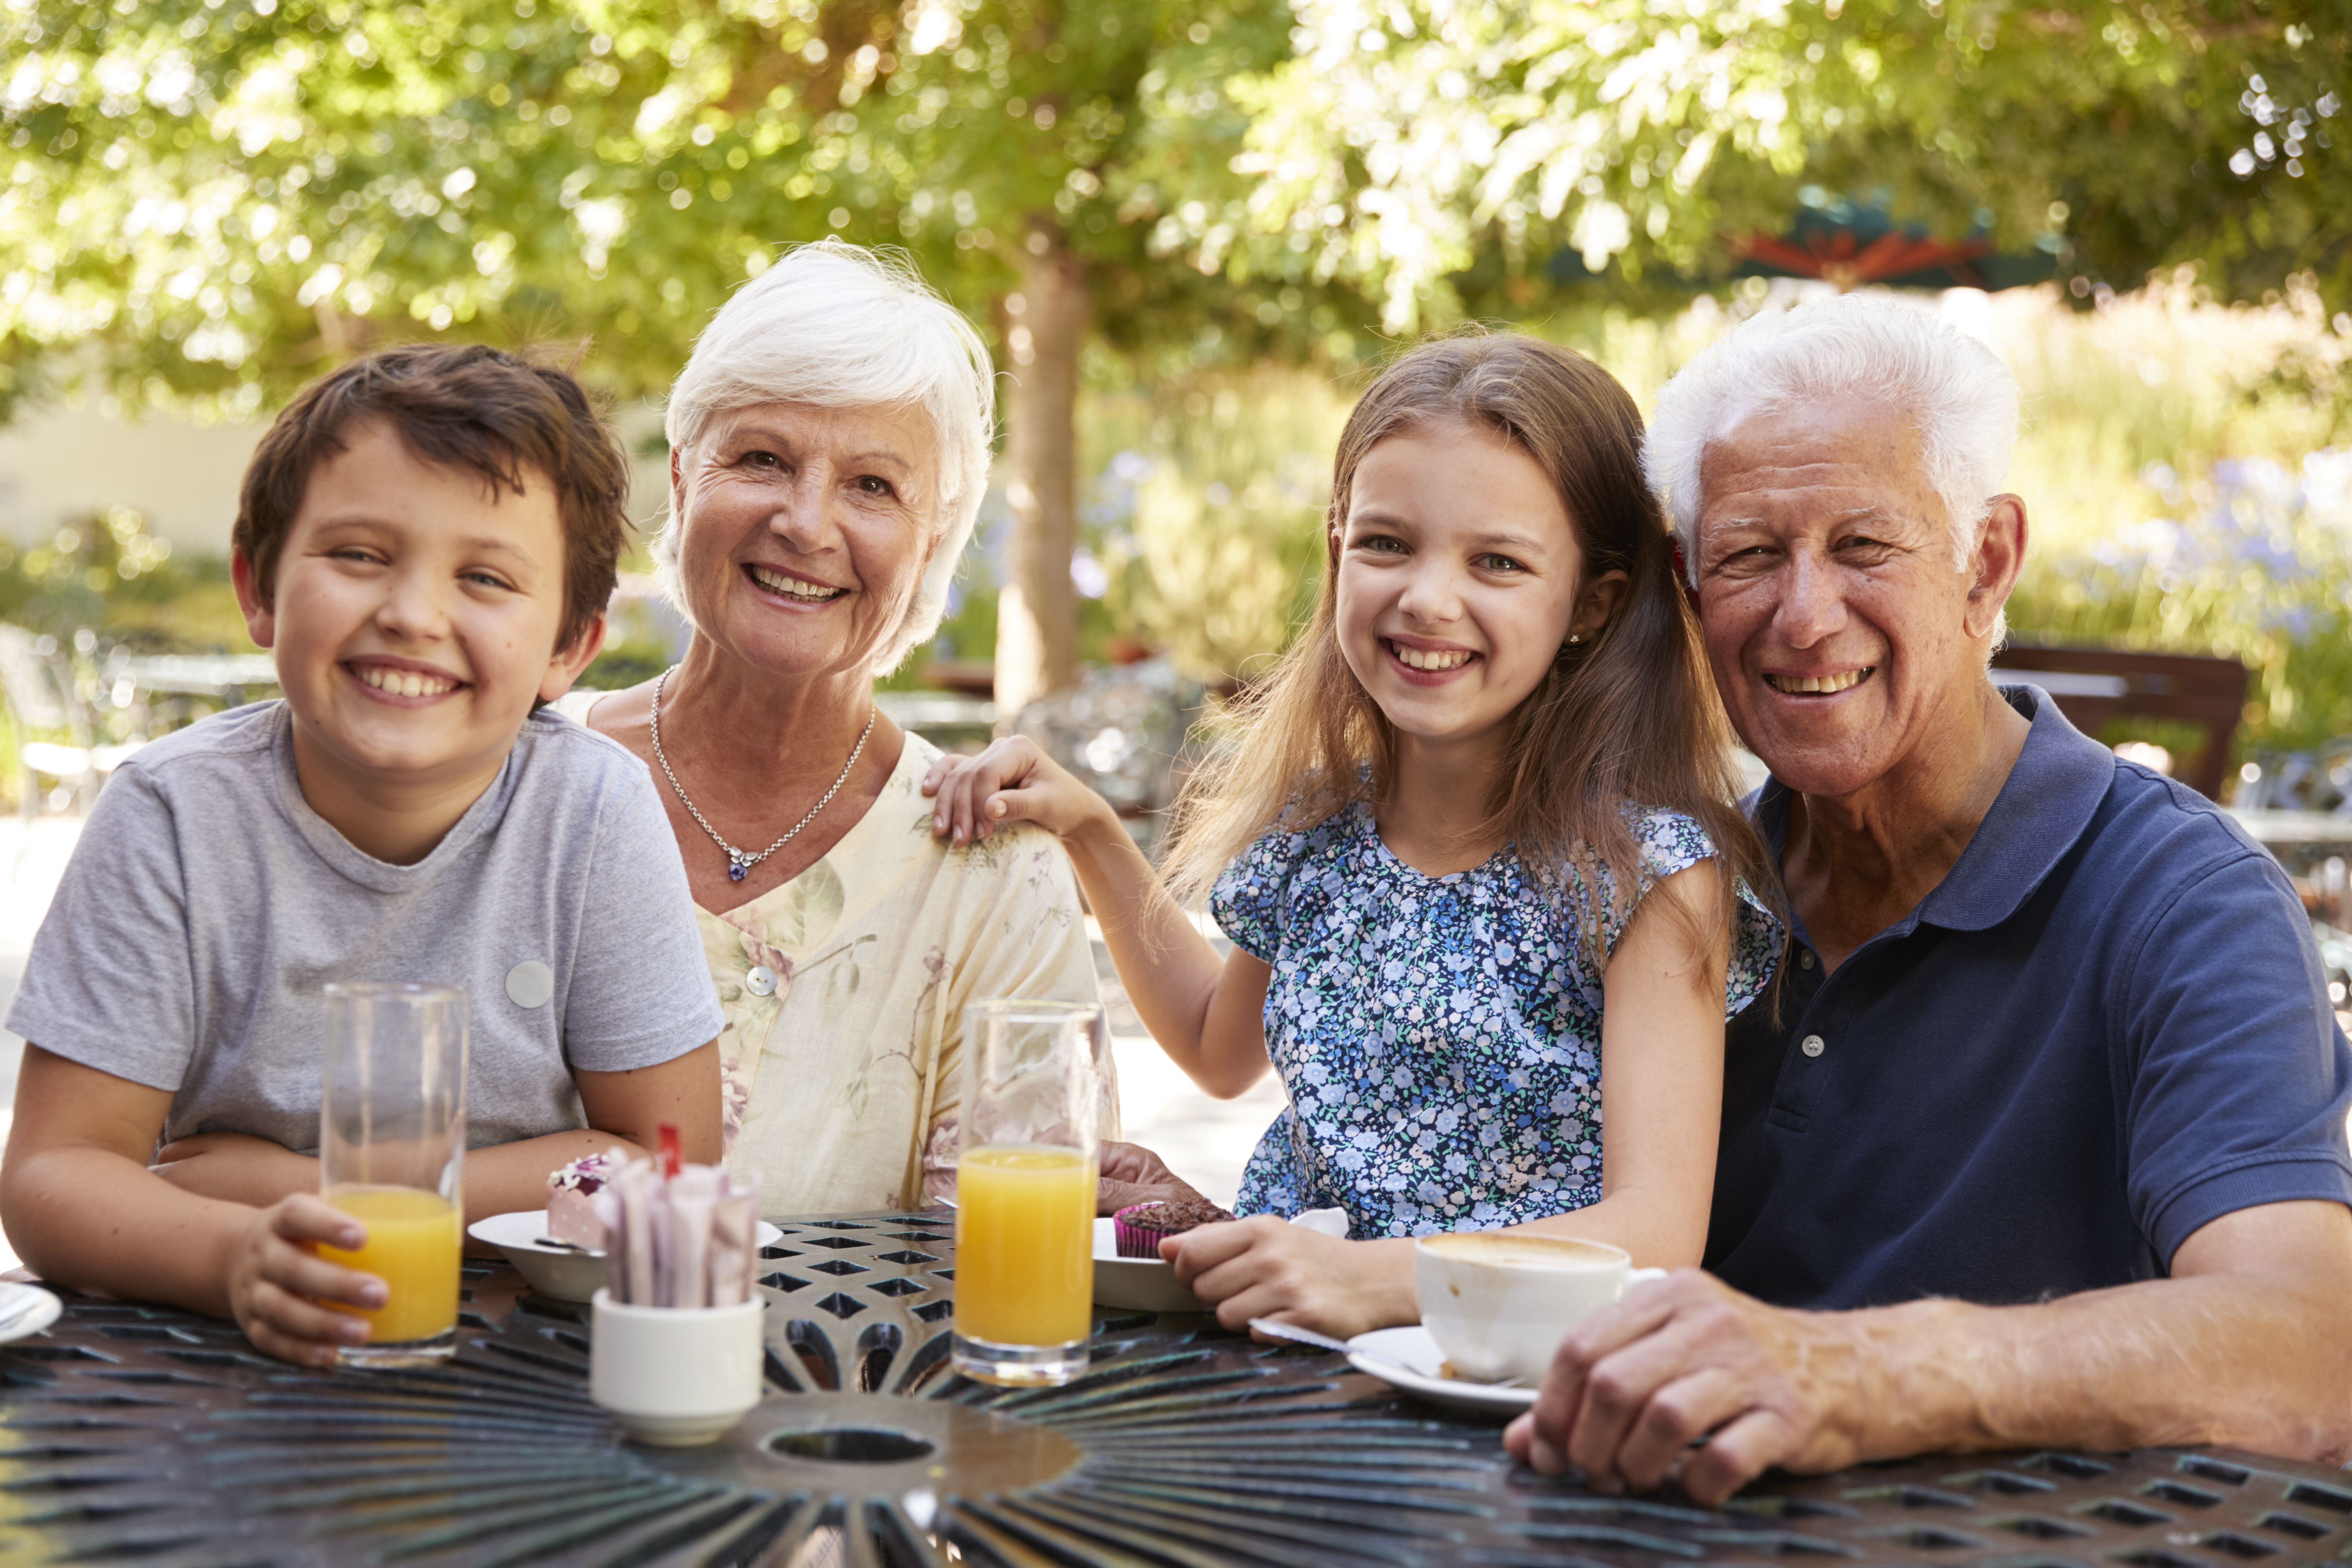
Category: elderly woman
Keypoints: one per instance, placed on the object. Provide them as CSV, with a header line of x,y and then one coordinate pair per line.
x,y
829,443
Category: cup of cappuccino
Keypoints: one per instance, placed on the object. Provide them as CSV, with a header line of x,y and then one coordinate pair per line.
x,y
1498,1303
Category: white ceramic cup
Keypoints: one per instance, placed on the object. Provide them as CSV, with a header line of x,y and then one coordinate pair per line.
x,y
1497,1304
676,1376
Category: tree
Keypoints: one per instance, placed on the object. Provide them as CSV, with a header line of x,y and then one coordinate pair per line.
x,y
215,202
211,203
1411,144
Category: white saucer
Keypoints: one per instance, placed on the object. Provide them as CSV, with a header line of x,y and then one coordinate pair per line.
x,y
26,1310
1415,1348
1137,1284
566,1273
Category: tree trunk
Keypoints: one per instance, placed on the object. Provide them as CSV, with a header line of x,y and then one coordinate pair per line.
x,y
1037,608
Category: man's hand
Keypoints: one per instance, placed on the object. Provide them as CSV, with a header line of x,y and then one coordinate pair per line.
x,y
1267,1268
1633,1386
236,1167
279,1286
1132,1174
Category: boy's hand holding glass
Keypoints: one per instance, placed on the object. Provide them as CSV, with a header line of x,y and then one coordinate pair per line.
x,y
392,1155
285,1296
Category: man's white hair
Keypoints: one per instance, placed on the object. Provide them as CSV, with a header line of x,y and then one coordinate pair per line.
x,y
1957,390
843,327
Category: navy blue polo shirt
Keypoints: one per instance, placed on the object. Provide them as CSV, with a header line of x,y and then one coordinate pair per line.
x,y
2106,1027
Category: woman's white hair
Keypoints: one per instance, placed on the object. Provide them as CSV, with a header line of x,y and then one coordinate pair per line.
x,y
842,326
1961,396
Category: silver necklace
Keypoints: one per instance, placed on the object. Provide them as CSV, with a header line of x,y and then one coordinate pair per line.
x,y
740,862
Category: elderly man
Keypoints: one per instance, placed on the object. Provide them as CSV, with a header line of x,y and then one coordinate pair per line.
x,y
2044,1142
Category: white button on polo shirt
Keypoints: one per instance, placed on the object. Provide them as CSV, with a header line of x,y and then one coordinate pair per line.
x,y
1812,1045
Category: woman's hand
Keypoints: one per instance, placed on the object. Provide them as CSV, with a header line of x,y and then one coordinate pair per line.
x,y
279,1286
1011,781
237,1167
1131,1174
1267,1268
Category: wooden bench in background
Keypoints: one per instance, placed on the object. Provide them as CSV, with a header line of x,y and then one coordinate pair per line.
x,y
2096,685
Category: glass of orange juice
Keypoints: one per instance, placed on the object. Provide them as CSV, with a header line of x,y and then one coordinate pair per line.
x,y
392,1154
1025,1190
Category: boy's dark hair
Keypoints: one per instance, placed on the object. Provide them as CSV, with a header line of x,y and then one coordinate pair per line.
x,y
460,406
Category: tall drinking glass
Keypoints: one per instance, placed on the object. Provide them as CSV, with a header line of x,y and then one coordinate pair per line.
x,y
1025,1190
392,1154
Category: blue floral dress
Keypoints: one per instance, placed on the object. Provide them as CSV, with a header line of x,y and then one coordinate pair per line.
x,y
1439,1037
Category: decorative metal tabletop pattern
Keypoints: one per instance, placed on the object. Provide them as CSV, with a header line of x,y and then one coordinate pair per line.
x,y
140,1434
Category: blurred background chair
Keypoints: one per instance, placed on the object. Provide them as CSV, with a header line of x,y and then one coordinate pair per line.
x,y
2096,686
1122,729
55,735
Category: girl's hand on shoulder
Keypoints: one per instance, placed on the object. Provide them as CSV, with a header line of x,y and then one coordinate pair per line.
x,y
281,1291
1013,781
1269,1268
236,1167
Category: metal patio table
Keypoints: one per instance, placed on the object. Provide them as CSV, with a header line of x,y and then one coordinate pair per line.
x,y
132,1434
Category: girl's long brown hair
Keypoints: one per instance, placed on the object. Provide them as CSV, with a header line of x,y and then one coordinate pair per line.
x,y
1630,717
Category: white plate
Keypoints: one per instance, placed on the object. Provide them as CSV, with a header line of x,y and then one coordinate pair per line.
x,y
1137,1284
26,1310
562,1273
1415,1348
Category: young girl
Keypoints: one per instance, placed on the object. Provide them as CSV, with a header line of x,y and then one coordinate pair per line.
x,y
1476,848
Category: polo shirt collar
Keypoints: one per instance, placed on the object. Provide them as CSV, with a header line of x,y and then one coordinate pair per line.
x,y
2049,799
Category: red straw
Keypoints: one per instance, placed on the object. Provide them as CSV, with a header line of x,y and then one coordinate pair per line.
x,y
670,1156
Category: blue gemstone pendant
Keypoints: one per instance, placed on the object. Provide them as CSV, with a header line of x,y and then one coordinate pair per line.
x,y
737,870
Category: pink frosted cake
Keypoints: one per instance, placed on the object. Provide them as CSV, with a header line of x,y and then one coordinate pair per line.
x,y
570,1200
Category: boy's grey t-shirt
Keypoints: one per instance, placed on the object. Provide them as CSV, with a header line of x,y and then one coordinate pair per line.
x,y
206,904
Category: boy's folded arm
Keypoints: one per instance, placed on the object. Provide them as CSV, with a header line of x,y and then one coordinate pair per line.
x,y
237,1167
624,1108
81,1207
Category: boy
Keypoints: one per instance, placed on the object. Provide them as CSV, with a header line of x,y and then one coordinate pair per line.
x,y
426,542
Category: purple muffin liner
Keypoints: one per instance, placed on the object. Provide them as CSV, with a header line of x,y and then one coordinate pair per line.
x,y
1136,1240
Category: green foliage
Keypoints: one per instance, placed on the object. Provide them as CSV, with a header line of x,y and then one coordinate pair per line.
x,y
217,202
208,203
2255,562
2182,494
1405,139
621,664
103,581
106,573
1212,511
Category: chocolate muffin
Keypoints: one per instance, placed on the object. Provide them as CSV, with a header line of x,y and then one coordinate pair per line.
x,y
1140,1227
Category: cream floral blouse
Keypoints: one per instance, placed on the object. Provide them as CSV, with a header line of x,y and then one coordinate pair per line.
x,y
844,991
